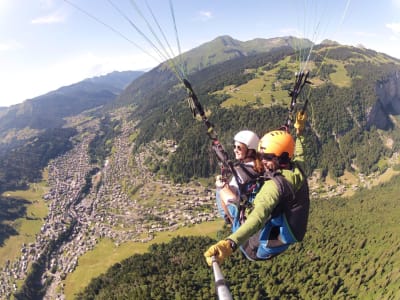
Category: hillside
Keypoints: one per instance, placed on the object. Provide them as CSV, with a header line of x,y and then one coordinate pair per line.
x,y
47,111
351,251
354,101
220,50
31,133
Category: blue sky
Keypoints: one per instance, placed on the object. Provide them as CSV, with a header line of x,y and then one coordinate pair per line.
x,y
46,44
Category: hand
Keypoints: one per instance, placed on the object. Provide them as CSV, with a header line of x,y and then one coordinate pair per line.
x,y
300,122
220,251
219,183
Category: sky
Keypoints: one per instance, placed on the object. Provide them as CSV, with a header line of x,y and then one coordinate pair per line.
x,y
47,44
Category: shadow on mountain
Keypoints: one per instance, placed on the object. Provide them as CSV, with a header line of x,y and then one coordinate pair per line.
x,y
10,210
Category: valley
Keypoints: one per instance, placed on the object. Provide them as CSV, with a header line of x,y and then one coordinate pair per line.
x,y
79,216
98,205
122,202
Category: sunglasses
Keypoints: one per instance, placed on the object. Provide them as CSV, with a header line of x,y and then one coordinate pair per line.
x,y
238,147
267,156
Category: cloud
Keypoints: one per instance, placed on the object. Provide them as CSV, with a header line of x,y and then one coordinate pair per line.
x,y
205,15
47,3
395,27
365,34
8,46
50,19
396,3
4,6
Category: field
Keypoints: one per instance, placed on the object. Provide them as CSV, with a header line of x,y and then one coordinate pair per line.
x,y
106,254
26,226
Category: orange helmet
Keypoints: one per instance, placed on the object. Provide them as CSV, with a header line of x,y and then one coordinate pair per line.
x,y
277,142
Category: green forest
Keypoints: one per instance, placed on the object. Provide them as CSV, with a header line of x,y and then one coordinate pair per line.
x,y
351,251
341,135
24,164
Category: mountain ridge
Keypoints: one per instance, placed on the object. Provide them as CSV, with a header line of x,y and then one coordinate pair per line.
x,y
218,51
48,110
272,69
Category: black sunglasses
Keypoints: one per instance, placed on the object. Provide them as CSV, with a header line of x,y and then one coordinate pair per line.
x,y
238,147
267,156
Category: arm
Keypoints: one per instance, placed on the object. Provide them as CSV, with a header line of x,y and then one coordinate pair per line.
x,y
301,119
266,200
299,151
264,203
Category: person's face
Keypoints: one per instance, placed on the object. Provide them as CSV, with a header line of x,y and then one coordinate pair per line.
x,y
269,162
240,151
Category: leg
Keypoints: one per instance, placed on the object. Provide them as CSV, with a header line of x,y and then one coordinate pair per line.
x,y
275,238
221,211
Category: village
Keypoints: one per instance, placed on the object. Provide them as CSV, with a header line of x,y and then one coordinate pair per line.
x,y
105,211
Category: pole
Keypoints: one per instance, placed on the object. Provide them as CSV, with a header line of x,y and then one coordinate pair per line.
x,y
220,285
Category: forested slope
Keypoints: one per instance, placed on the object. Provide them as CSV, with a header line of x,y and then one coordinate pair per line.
x,y
351,251
351,125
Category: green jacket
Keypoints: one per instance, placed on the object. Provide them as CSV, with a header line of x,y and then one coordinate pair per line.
x,y
268,198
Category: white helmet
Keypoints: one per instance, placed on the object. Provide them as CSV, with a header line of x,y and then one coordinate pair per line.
x,y
247,137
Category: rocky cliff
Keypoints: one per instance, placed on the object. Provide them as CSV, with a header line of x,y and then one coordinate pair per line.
x,y
388,102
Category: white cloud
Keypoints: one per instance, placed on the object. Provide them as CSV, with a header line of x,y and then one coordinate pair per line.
x,y
205,15
50,19
47,3
395,27
8,46
396,3
4,6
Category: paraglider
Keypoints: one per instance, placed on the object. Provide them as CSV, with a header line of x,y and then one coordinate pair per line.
x,y
281,159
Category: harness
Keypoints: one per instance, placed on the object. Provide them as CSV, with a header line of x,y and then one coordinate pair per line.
x,y
293,204
250,182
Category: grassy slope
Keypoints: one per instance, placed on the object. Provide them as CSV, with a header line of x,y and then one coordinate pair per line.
x,y
106,254
266,90
28,226
258,88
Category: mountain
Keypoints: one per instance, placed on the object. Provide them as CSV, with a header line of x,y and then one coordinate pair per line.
x,y
218,51
354,100
225,48
48,111
388,104
113,175
359,87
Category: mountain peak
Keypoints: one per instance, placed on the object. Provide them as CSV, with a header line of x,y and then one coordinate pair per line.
x,y
328,42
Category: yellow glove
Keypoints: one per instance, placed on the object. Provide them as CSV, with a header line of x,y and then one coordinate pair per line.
x,y
220,250
300,122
